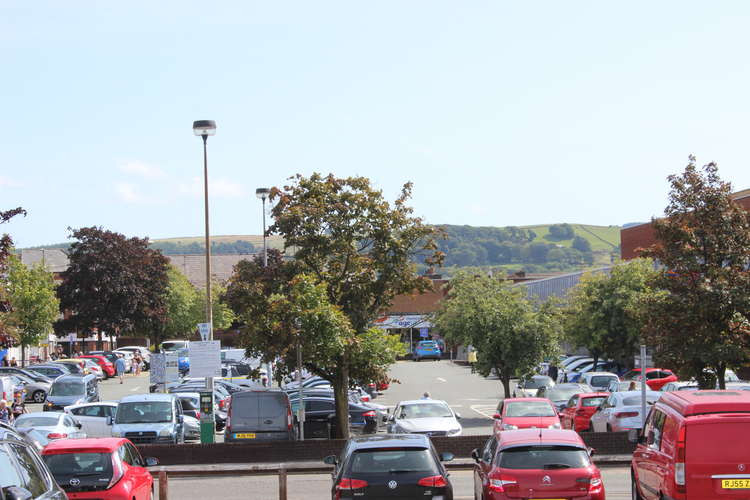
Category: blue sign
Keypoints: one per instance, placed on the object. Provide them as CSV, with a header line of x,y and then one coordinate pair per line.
x,y
423,332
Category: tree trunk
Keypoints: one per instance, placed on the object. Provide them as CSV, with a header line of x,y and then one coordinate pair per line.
x,y
596,361
721,371
341,391
506,386
99,344
23,355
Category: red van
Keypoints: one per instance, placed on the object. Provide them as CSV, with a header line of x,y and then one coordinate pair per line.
x,y
694,446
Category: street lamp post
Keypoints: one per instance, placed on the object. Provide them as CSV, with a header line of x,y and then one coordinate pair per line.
x,y
263,193
204,128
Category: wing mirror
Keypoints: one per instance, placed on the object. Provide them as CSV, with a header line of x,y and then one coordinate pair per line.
x,y
475,455
331,460
79,425
497,416
151,461
110,420
458,416
446,456
16,493
591,451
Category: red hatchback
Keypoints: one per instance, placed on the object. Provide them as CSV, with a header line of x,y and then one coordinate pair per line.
x,y
656,378
107,468
525,413
106,365
536,463
577,414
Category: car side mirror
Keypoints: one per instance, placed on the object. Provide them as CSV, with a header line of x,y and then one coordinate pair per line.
x,y
180,419
79,425
331,460
151,461
110,420
475,455
16,493
497,416
591,451
458,416
446,456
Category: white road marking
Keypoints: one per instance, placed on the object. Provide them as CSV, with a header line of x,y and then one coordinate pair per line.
x,y
484,410
135,389
441,379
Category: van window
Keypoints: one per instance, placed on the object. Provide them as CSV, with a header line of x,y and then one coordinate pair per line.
x,y
244,406
67,388
272,405
655,424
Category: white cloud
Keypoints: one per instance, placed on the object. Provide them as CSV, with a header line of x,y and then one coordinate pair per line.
x,y
8,182
143,170
128,192
219,188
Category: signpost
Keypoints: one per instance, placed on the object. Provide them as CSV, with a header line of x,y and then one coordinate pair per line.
x,y
205,330
644,364
163,369
205,359
423,332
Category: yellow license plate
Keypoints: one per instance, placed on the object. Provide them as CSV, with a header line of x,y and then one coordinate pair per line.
x,y
245,435
734,484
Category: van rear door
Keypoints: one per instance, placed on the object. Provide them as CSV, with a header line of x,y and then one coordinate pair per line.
x,y
272,412
717,464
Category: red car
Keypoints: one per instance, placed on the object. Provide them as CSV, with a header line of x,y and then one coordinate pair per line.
x,y
524,413
536,463
577,414
106,365
106,468
655,377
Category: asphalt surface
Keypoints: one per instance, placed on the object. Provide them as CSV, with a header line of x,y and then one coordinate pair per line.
x,y
318,486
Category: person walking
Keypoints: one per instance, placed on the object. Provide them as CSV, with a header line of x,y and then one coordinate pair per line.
x,y
120,367
137,361
18,407
6,416
426,395
553,372
472,358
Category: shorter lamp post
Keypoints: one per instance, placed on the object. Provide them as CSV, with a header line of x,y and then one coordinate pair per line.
x,y
262,193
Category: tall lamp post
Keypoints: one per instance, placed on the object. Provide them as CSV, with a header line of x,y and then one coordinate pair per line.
x,y
204,128
262,193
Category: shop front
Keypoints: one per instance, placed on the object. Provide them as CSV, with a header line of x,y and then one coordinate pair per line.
x,y
410,327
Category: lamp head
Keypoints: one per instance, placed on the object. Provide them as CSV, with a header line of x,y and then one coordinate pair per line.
x,y
262,193
204,127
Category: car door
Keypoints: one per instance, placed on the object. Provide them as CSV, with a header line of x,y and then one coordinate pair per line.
x,y
89,417
644,456
72,427
139,476
568,414
483,468
598,419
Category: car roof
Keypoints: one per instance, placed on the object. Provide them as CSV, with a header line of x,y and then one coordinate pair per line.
x,y
187,394
57,414
95,403
584,395
147,397
72,376
599,374
421,401
534,400
546,437
390,441
711,401
87,445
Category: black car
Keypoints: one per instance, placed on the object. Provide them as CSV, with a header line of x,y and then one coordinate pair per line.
x,y
381,412
24,473
390,466
322,410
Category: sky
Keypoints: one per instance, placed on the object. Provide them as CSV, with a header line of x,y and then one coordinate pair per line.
x,y
500,113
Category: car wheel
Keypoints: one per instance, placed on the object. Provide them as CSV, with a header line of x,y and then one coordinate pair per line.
x,y
634,488
39,396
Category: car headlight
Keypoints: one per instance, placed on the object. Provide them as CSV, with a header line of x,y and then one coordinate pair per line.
x,y
509,427
554,426
165,432
453,432
116,434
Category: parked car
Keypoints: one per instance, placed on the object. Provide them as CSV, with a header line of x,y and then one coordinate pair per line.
x,y
36,392
55,425
524,413
655,377
431,417
107,367
173,345
96,418
599,381
628,385
127,356
71,390
427,349
259,415
149,418
24,473
100,468
570,367
528,387
679,386
190,401
577,414
110,355
49,370
621,411
384,466
94,368
26,372
145,353
560,394
693,447
549,463
381,411
362,419
75,366
601,366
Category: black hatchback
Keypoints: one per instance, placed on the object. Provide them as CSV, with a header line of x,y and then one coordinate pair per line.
x,y
389,466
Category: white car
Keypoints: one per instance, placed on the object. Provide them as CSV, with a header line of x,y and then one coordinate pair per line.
x,y
54,425
94,417
192,427
621,411
599,380
145,353
425,416
128,357
528,388
93,367
679,386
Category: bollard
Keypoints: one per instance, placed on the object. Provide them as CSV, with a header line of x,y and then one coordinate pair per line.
x,y
282,483
163,485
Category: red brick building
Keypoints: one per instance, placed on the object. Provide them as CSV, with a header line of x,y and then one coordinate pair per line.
x,y
642,236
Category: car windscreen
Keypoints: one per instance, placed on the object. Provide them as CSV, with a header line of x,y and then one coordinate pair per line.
x,y
588,402
172,346
36,421
64,465
392,460
636,400
543,457
189,403
426,410
529,409
67,388
144,412
536,383
601,380
558,393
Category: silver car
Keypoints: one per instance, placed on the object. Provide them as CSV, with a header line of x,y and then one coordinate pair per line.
x,y
36,392
424,416
54,425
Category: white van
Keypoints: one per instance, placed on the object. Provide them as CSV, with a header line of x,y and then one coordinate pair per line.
x,y
6,389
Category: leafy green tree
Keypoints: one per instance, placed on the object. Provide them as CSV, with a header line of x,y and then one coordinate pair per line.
x,y
113,283
561,232
581,244
33,303
222,314
602,312
7,328
181,297
511,335
703,243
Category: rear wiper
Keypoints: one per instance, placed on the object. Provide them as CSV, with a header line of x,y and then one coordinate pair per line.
x,y
399,471
556,466
86,474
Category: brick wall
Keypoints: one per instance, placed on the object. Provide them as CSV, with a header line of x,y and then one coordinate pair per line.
x,y
635,237
605,443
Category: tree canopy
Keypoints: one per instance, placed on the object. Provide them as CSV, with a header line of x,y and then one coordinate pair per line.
x,y
7,328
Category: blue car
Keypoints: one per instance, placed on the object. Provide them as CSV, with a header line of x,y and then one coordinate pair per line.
x,y
183,361
427,349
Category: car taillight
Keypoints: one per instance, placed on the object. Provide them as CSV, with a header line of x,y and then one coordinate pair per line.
x,y
626,414
498,483
351,484
679,466
56,435
370,413
365,399
594,482
198,415
289,419
433,482
117,470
